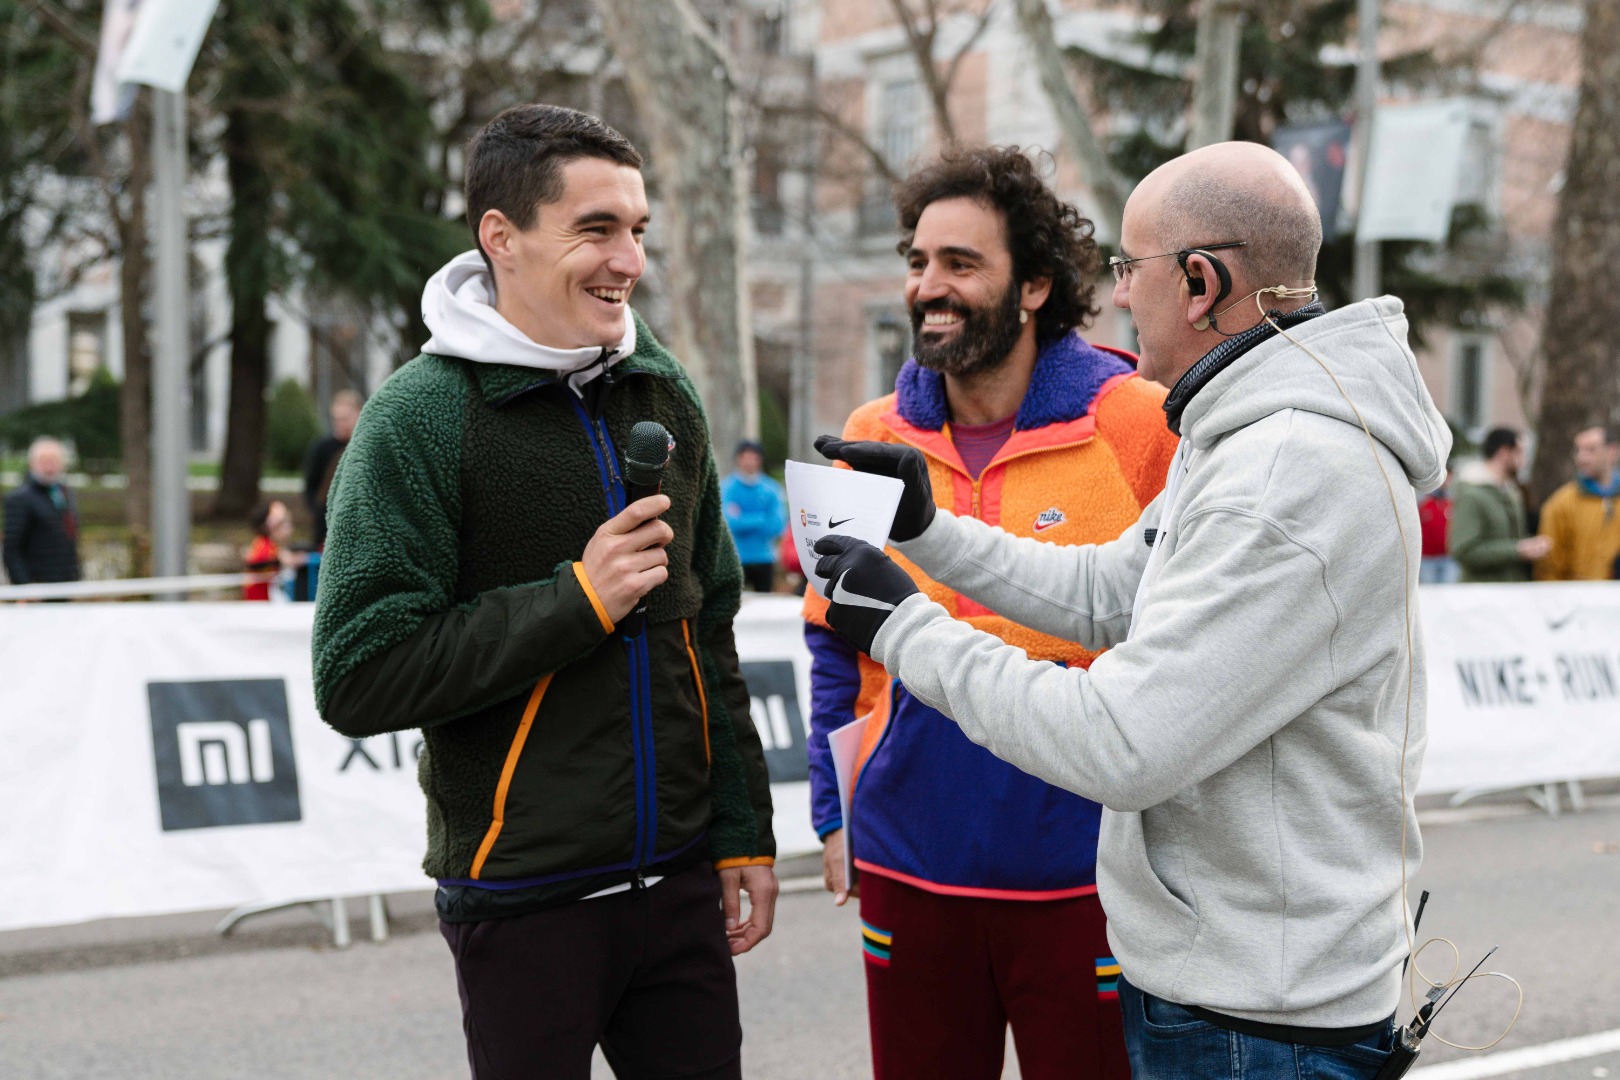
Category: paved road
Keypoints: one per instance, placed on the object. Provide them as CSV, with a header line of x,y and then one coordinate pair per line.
x,y
161,999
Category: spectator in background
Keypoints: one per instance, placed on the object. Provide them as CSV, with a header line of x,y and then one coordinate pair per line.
x,y
1434,515
1487,535
322,461
42,521
756,511
269,554
1579,518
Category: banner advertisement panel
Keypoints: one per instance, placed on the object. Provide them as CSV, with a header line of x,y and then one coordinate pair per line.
x,y
168,757
1524,684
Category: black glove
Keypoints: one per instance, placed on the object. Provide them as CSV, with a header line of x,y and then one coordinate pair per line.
x,y
904,463
863,587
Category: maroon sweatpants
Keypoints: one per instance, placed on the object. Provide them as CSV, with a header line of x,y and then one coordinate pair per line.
x,y
945,975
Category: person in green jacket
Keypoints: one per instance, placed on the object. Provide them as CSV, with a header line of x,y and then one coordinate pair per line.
x,y
1487,535
597,799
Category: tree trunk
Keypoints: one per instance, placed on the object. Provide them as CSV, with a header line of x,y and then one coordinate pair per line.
x,y
1581,383
135,401
17,297
247,274
680,80
1073,120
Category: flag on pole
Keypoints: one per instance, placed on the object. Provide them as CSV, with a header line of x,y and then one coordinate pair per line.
x,y
164,45
109,99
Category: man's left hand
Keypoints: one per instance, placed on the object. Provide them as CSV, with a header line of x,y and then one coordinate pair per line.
x,y
864,586
759,882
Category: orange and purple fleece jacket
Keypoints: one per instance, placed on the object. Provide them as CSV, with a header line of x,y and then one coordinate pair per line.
x,y
1089,450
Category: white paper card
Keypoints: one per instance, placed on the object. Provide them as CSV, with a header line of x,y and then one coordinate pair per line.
x,y
823,500
845,744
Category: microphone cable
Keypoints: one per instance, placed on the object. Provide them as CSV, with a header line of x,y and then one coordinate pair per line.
x,y
1427,1012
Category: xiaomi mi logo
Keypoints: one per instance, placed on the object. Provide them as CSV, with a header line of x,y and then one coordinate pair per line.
x,y
223,753
216,752
774,704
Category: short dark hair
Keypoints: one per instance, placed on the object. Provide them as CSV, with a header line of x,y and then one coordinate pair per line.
x,y
1497,440
260,518
514,163
1048,238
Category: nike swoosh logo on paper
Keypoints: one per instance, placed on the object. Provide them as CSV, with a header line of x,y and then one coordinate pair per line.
x,y
1559,624
835,524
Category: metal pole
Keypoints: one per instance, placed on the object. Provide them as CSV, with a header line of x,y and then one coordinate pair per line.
x,y
1215,92
171,389
1367,269
801,417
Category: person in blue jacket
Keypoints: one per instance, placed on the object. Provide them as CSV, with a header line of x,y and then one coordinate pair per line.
x,y
756,511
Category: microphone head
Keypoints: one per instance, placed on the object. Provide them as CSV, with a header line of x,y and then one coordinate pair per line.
x,y
647,453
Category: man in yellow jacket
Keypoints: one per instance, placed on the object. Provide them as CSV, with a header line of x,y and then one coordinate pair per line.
x,y
1581,518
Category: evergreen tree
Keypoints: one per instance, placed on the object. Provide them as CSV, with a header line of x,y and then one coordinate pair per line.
x,y
1285,77
327,139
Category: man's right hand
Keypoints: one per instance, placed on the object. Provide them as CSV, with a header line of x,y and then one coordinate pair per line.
x,y
832,868
904,463
626,560
1532,548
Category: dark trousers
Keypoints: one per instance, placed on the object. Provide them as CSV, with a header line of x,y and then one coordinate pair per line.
x,y
945,975
759,576
645,973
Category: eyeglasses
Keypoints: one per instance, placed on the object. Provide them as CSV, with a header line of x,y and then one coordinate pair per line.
x,y
1122,266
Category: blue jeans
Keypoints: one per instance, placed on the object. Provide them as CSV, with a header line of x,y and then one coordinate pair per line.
x,y
1438,570
1166,1042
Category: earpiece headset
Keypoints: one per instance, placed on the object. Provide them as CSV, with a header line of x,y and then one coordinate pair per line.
x,y
1196,286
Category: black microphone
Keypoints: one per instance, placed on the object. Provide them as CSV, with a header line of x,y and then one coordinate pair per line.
x,y
644,459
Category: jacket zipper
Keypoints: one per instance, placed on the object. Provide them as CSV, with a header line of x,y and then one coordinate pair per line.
x,y
641,738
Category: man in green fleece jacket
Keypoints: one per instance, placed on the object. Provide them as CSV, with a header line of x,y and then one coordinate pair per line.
x,y
597,800
1487,532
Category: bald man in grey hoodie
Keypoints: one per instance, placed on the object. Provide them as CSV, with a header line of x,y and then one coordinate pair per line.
x,y
1256,728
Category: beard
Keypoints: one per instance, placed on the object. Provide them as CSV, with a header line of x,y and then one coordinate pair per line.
x,y
987,336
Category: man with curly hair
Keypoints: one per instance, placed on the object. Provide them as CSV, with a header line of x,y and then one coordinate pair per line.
x,y
978,886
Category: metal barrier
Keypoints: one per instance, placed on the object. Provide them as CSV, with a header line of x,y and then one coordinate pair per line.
x,y
166,587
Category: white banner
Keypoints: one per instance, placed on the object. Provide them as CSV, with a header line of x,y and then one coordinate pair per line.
x,y
168,757
1413,170
110,99
1524,684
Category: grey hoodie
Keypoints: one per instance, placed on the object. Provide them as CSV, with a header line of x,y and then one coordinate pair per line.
x,y
1245,735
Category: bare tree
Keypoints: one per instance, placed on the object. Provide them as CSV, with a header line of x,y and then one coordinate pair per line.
x,y
1073,119
680,77
120,161
922,23
1582,376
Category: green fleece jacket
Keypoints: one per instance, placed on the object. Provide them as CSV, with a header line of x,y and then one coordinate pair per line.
x,y
1487,523
559,757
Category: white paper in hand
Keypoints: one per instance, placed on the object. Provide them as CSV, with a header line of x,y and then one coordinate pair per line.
x,y
845,743
823,500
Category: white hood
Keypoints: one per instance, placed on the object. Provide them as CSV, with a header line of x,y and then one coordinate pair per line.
x,y
458,307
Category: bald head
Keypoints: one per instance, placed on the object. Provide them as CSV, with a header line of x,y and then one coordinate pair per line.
x,y
1237,191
